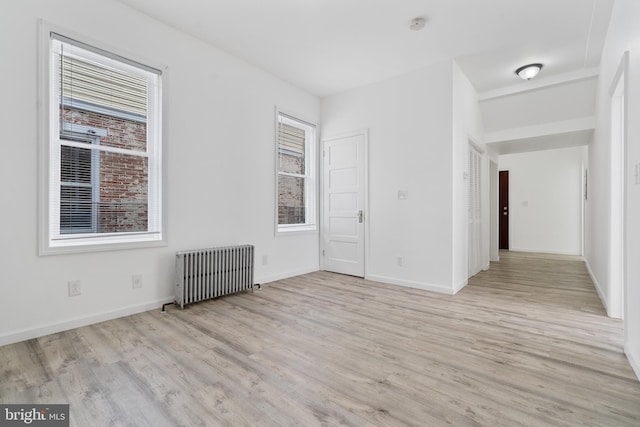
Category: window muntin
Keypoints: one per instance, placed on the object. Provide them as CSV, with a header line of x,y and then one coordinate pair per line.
x,y
296,192
104,175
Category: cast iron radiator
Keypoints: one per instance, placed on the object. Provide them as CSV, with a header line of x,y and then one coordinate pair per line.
x,y
210,273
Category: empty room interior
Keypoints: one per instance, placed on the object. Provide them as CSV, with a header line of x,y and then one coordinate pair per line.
x,y
418,212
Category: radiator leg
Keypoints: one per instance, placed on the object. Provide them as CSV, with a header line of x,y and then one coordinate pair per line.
x,y
164,307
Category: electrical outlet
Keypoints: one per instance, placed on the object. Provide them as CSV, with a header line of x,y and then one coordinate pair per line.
x,y
75,288
400,260
136,281
265,260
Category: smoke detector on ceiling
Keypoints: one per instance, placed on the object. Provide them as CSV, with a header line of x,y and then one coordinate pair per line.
x,y
417,24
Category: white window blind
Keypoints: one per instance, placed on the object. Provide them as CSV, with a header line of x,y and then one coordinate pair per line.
x,y
104,151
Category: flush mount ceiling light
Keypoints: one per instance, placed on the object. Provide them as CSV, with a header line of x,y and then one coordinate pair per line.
x,y
417,24
527,72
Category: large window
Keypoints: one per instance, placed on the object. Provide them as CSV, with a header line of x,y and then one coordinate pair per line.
x,y
296,169
103,149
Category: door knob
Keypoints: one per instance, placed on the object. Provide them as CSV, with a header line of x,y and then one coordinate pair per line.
x,y
360,216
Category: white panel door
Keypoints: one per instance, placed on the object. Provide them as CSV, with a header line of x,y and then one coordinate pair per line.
x,y
343,207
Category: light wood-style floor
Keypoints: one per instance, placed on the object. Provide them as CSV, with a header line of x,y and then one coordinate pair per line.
x,y
525,343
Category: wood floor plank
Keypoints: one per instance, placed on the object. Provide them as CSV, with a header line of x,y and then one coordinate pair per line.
x,y
525,343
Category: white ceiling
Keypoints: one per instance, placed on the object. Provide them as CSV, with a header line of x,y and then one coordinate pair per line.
x,y
329,46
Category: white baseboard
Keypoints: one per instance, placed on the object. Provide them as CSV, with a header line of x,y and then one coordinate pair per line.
x,y
633,361
411,284
77,322
599,290
546,251
286,275
461,285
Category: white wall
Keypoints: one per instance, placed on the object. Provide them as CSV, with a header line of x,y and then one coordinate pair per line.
x,y
545,200
409,120
419,127
494,219
220,158
556,103
467,127
624,35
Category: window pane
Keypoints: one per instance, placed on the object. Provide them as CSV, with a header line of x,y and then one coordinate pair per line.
x,y
290,163
75,165
76,209
121,132
123,205
99,97
291,149
291,203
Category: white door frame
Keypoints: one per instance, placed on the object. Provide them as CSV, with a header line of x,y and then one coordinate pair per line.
x,y
475,244
367,211
618,187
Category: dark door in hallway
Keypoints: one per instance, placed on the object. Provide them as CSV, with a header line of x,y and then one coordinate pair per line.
x,y
503,205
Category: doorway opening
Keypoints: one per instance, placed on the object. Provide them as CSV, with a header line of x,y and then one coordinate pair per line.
x,y
503,210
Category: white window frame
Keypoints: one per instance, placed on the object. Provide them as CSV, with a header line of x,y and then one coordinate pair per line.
x,y
51,241
310,176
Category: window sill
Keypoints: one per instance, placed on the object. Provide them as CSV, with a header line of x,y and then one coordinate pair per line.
x,y
100,245
295,230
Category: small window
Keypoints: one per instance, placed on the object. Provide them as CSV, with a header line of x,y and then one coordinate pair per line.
x,y
103,149
296,174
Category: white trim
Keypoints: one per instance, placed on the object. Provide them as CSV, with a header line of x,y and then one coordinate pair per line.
x,y
43,135
596,284
131,64
635,363
544,129
540,83
296,230
105,148
412,284
545,251
618,189
286,275
77,322
621,71
457,288
473,142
